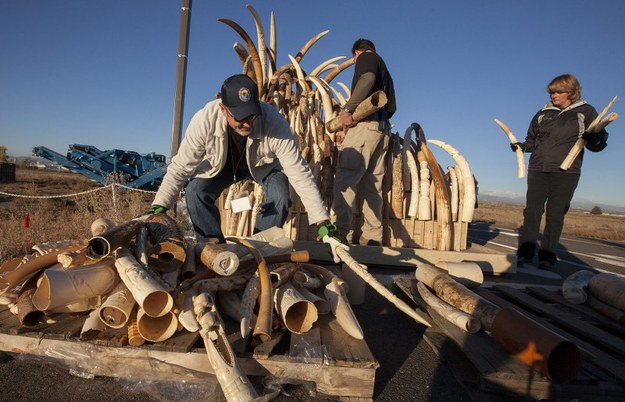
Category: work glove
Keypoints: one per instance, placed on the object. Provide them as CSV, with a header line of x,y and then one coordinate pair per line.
x,y
330,235
593,138
156,209
516,145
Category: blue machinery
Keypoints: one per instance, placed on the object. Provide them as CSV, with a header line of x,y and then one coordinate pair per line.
x,y
127,167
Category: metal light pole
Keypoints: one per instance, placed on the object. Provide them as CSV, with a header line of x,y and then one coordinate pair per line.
x,y
181,74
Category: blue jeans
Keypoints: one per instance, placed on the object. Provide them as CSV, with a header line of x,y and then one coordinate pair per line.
x,y
201,196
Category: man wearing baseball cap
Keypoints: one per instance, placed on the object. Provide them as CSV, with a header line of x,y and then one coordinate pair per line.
x,y
233,138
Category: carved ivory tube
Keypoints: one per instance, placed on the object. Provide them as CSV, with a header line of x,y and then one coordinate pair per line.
x,y
462,320
457,294
105,243
156,329
116,309
151,296
298,313
168,250
467,273
35,263
63,286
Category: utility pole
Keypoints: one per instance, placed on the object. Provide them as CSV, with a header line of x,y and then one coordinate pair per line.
x,y
181,74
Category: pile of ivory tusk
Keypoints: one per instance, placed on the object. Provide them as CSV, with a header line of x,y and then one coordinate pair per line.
x,y
413,188
447,291
143,281
603,292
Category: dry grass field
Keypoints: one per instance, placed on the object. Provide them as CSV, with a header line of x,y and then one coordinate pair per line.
x,y
54,218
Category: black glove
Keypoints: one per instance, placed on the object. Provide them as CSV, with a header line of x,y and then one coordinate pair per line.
x,y
516,145
156,209
593,138
329,234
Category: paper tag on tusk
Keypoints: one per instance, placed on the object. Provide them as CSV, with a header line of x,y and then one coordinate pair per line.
x,y
241,204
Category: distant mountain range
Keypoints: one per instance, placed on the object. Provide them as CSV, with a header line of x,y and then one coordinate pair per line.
x,y
493,196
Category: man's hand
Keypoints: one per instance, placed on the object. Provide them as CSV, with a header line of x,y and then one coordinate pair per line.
x,y
330,235
156,209
518,145
346,118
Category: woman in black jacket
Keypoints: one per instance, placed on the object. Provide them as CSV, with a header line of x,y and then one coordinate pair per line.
x,y
551,134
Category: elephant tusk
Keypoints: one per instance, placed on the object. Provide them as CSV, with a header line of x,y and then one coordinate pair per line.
x,y
520,158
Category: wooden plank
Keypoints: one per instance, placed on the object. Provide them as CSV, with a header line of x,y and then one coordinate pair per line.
x,y
586,312
155,365
396,257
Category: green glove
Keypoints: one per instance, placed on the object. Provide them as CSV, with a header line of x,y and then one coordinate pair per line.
x,y
330,235
156,209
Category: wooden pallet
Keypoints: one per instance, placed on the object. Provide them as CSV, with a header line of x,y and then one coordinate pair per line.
x,y
336,363
489,373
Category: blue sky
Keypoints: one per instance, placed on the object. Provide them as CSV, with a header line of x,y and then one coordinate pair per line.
x,y
103,72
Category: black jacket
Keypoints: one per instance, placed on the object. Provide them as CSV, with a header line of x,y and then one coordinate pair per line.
x,y
553,132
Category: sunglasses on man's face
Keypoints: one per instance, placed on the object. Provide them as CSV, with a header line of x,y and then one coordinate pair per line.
x,y
249,119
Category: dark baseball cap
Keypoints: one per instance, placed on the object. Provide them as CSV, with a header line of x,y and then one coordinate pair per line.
x,y
240,95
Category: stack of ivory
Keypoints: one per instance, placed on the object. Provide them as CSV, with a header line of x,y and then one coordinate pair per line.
x,y
142,281
413,189
604,292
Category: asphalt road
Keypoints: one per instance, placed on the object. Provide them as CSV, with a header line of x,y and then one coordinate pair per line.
x,y
409,369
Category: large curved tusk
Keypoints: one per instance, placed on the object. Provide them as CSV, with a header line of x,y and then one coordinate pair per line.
x,y
344,65
520,158
325,97
453,186
258,71
309,44
346,89
262,46
322,66
467,179
300,75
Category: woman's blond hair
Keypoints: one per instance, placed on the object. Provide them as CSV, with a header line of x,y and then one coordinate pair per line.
x,y
566,83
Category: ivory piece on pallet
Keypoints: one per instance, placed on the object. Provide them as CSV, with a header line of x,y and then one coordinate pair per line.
x,y
467,273
574,287
233,381
297,312
189,268
339,305
186,314
168,250
156,329
134,337
92,326
102,245
101,225
490,262
62,286
218,259
27,313
462,320
608,288
35,263
425,211
322,305
607,310
116,309
151,296
457,294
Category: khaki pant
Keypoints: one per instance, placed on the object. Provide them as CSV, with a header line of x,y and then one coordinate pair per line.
x,y
360,172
